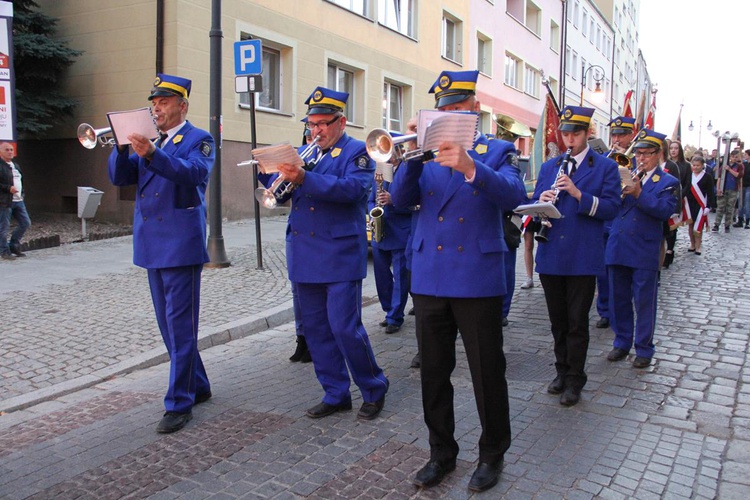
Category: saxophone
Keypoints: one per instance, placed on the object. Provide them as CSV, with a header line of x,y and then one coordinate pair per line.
x,y
377,225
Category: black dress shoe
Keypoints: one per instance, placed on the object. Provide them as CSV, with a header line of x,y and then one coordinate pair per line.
x,y
434,472
617,354
369,411
301,349
411,312
641,362
173,422
383,323
602,323
202,398
556,386
321,410
570,397
8,256
416,362
392,328
485,477
505,321
17,251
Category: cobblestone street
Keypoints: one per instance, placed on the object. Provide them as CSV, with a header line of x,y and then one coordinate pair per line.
x,y
82,380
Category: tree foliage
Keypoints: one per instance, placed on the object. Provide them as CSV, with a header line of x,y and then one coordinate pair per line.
x,y
39,61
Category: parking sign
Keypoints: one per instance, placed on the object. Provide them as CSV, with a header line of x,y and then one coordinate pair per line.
x,y
248,57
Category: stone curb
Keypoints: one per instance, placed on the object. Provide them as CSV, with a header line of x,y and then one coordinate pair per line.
x,y
271,318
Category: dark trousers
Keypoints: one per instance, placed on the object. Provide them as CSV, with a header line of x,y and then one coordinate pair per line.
x,y
438,320
175,293
569,300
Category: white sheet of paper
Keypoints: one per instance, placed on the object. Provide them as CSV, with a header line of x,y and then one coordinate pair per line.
x,y
435,127
270,157
138,121
545,209
626,176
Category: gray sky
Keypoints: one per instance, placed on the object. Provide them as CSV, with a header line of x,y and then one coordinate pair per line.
x,y
697,53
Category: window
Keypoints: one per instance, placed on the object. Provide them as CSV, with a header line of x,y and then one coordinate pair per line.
x,y
342,80
516,9
393,107
576,9
512,68
357,6
484,54
567,60
574,65
533,18
554,37
397,15
531,81
585,24
451,35
276,58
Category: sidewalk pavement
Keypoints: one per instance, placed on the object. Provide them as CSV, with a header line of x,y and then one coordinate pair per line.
x,y
82,376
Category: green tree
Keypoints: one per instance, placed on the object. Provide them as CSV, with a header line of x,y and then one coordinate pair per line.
x,y
39,61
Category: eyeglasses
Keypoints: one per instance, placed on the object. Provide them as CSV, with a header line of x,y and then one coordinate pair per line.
x,y
646,153
311,125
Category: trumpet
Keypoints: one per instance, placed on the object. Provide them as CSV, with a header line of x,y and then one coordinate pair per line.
x,y
636,175
541,235
381,145
89,136
281,188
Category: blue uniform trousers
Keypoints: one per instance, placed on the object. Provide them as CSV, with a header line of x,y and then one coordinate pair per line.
x,y
175,293
392,284
629,288
602,289
336,338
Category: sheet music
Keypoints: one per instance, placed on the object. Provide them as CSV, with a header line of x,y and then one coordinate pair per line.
x,y
138,121
435,127
386,169
541,209
626,176
270,157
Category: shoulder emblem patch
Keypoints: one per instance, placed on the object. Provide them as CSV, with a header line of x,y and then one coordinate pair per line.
x,y
513,159
481,149
363,161
177,139
655,177
205,148
335,152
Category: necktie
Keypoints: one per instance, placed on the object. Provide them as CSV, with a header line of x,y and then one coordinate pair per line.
x,y
572,167
161,141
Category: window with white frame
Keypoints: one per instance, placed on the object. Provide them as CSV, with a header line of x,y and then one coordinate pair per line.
x,y
360,7
276,58
393,106
585,24
398,15
554,36
576,10
343,80
484,54
567,60
531,81
512,71
574,65
451,38
533,19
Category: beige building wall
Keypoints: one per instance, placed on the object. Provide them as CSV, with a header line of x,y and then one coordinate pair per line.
x,y
118,67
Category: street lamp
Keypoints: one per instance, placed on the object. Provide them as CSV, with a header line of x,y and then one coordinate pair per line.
x,y
598,77
700,128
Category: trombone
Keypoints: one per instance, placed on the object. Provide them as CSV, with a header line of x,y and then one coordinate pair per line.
x,y
89,136
280,188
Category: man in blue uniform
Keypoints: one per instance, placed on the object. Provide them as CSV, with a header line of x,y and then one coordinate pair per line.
x,y
586,191
326,252
388,254
633,251
621,130
458,280
169,235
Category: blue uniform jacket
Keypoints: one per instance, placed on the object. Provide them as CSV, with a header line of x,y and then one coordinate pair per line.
x,y
326,236
169,225
576,241
458,245
636,234
397,222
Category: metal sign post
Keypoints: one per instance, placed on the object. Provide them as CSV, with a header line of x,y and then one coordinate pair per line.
x,y
248,66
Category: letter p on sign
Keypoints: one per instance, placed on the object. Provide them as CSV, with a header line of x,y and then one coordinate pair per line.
x,y
248,57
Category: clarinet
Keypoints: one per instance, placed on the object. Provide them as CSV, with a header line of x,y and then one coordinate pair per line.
x,y
541,235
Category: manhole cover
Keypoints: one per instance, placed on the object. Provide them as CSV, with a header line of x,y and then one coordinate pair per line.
x,y
529,367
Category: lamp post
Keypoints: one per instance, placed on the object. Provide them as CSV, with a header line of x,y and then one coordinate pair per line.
x,y
700,128
598,77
